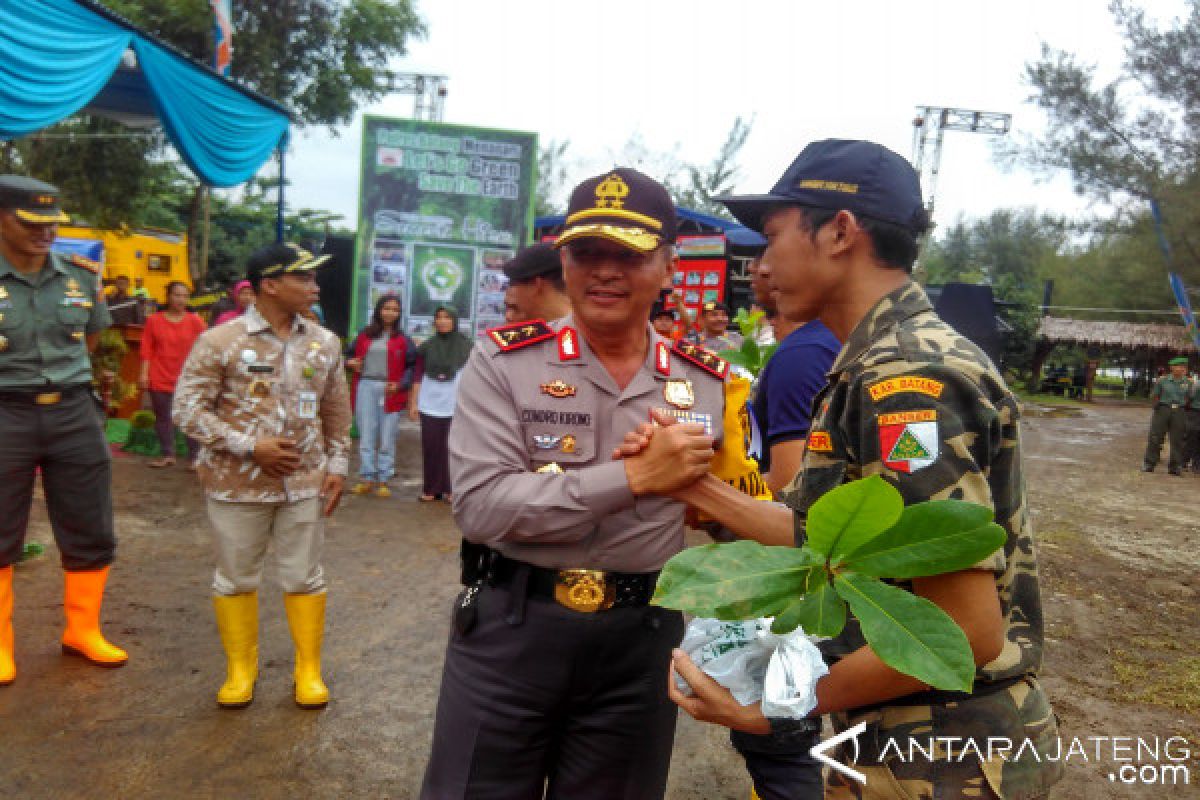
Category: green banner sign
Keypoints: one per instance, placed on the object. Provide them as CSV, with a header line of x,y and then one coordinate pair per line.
x,y
441,208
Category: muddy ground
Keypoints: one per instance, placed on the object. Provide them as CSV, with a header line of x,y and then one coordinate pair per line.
x,y
1120,556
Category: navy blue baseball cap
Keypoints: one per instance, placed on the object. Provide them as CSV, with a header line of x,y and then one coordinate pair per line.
x,y
862,177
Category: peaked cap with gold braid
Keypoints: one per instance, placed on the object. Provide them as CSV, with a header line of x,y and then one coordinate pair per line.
x,y
623,206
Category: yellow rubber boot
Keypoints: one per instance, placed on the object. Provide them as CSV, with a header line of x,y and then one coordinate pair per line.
x,y
237,620
82,597
306,618
8,670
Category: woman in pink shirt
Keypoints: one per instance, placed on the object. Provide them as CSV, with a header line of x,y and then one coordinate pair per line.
x,y
166,342
243,295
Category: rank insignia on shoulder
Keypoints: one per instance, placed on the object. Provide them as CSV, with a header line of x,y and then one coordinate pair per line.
x,y
520,334
702,358
568,344
86,263
558,388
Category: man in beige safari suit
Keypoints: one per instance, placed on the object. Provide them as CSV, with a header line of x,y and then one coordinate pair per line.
x,y
266,396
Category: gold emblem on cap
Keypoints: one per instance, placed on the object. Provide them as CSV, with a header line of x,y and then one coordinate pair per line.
x,y
611,192
679,394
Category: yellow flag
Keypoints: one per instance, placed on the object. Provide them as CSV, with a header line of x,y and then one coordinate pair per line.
x,y
733,463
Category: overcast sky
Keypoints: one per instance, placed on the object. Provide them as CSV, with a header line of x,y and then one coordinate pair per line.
x,y
678,73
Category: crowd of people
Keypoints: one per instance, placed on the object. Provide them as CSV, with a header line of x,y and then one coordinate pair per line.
x,y
572,443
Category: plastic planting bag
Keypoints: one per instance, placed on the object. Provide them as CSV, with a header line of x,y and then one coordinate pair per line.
x,y
756,665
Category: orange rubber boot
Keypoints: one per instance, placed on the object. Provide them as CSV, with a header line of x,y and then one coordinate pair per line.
x,y
82,598
8,669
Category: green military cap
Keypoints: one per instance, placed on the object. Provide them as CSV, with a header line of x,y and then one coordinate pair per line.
x,y
1178,361
31,200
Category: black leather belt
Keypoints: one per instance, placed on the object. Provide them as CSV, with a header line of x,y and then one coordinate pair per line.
x,y
584,590
45,396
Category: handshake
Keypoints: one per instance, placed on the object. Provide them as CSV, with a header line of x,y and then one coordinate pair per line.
x,y
665,456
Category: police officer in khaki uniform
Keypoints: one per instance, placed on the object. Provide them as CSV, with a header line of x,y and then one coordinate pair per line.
x,y
554,673
50,310
910,400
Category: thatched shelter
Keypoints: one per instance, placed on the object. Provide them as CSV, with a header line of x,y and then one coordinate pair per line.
x,y
1165,338
1144,346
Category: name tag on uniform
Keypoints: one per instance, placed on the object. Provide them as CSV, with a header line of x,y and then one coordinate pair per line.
x,y
306,405
260,368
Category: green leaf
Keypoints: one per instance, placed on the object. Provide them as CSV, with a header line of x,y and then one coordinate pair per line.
x,y
910,634
739,580
842,520
739,359
821,613
930,538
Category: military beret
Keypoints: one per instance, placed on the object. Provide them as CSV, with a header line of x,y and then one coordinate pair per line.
x,y
532,262
1178,361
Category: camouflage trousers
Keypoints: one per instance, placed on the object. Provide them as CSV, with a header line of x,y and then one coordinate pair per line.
x,y
990,746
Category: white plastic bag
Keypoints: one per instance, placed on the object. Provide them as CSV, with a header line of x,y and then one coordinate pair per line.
x,y
731,653
755,664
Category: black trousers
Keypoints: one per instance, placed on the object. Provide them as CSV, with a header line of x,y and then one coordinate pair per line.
x,y
780,764
1191,450
67,442
1166,421
542,701
435,454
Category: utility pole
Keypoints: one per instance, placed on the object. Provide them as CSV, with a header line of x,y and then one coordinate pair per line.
x,y
428,91
929,128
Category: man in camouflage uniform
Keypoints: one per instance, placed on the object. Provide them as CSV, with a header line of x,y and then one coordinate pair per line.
x,y
913,401
266,396
1170,397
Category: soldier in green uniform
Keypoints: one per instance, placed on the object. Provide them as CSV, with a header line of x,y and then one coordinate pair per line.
x,y
1191,450
911,400
1169,396
50,312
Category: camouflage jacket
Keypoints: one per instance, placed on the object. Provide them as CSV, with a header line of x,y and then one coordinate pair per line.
x,y
911,400
241,382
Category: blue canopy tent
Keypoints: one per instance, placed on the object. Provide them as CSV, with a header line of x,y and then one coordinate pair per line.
x,y
60,57
735,233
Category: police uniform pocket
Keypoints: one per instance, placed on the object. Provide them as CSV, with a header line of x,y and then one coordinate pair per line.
x,y
560,445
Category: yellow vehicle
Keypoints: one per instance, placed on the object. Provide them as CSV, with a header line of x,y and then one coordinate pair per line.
x,y
150,258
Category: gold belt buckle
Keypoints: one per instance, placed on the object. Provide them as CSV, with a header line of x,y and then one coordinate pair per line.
x,y
47,398
584,590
